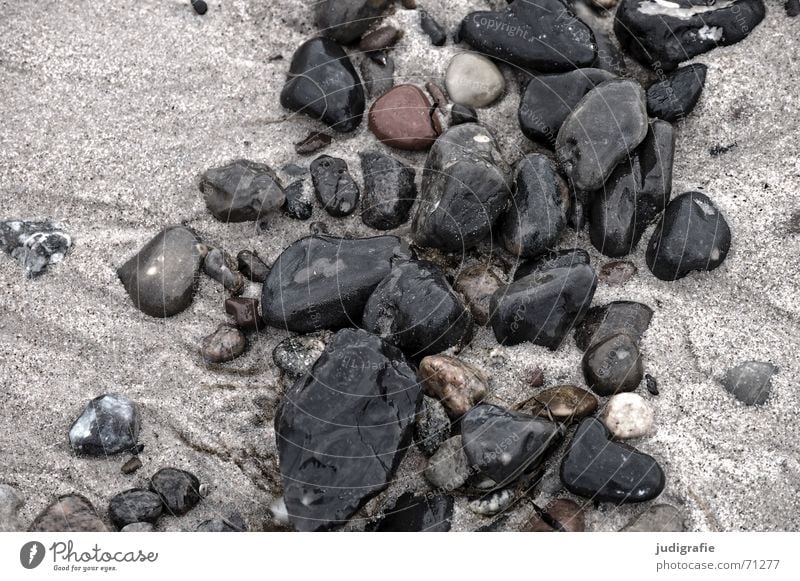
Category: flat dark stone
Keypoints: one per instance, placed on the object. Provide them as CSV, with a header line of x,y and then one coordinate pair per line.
x,y
109,424
555,259
389,191
334,187
241,191
346,20
312,143
379,39
251,266
179,490
410,513
462,114
133,506
750,382
675,97
222,267
601,322
613,365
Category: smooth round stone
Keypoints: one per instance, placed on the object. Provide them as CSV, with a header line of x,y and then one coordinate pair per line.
x,y
473,80
224,344
403,118
179,490
71,513
603,128
628,415
457,384
109,424
659,518
617,272
133,506
603,321
493,503
334,187
564,258
241,191
299,205
10,504
138,527
750,382
691,235
560,515
613,365
432,427
565,403
251,266
675,97
448,469
477,284
378,79
221,266
389,191
346,20
161,278
462,114
410,513
296,355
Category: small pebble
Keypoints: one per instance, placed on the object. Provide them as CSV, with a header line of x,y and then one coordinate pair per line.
x,y
457,384
312,143
318,228
613,365
294,170
439,98
493,503
221,266
473,80
403,118
750,382
200,7
138,527
380,39
179,490
448,469
617,273
462,114
564,403
244,312
131,466
432,427
628,415
241,191
133,506
298,205
224,344
334,187
252,266
792,8
652,384
296,355
109,424
432,28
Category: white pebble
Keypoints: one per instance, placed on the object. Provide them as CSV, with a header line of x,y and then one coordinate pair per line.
x,y
473,80
628,415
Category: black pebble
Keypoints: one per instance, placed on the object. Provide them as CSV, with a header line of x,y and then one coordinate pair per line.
x,y
252,266
652,384
297,206
675,97
462,114
179,490
432,28
334,187
200,6
315,141
410,513
134,505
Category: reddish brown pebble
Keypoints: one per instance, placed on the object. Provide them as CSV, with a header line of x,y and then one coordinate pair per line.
x,y
402,118
564,403
456,383
313,143
561,515
617,273
245,312
384,37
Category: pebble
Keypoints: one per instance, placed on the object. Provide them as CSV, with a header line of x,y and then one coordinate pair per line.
x,y
466,185
477,284
436,92
109,424
617,272
651,383
544,36
251,266
601,322
659,518
663,34
334,187
409,4
675,97
457,384
299,206
473,80
613,365
432,427
179,490
603,128
462,114
221,266
403,118
416,309
315,141
564,258
560,515
609,56
635,194
200,6
533,223
378,79
161,278
324,84
244,312
549,99
389,191
565,403
493,503
750,382
691,235
324,282
792,8
234,523
543,307
606,471
346,20
503,445
296,355
432,28
138,527
241,191
294,170
379,39
71,513
133,506
411,513
10,504
224,344
336,452
448,469
628,415
131,466
34,245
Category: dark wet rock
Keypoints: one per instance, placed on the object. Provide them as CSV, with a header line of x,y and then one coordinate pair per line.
x,y
296,355
346,20
298,205
34,245
544,306
555,259
10,504
547,36
659,518
465,188
609,56
493,503
403,118
233,523
221,266
663,34
560,515
251,266
336,451
602,129
432,28
564,403
691,235
324,282
473,80
334,187
71,513
224,344
109,424
462,114
138,527
131,466
674,98
389,191
604,321
161,278
244,312
379,39
651,383
179,490
750,382
410,513
133,506
549,99
457,384
617,272
448,469
313,142
378,79
200,6
635,194
504,445
477,284
324,85
536,216
613,365
432,427
597,468
241,191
